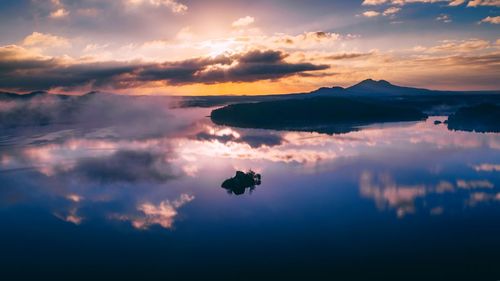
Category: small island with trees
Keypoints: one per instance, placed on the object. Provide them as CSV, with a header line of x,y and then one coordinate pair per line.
x,y
241,181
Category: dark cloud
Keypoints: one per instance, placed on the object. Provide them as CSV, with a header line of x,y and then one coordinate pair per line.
x,y
262,57
125,166
253,140
346,56
262,140
39,73
21,72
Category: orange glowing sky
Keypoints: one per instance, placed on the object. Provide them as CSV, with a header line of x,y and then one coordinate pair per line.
x,y
178,47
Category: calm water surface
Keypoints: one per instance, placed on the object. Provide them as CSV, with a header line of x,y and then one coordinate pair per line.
x,y
403,201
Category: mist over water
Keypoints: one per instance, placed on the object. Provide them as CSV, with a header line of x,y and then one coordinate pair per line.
x,y
132,187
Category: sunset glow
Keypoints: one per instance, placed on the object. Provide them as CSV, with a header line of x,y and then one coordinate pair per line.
x,y
187,47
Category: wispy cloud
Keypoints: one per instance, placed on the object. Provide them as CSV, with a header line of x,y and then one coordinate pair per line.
x,y
460,46
373,2
487,167
492,20
59,13
444,18
37,39
162,214
173,5
242,22
371,14
476,3
391,11
472,3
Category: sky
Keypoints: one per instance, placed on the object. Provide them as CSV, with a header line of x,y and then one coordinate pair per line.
x,y
199,47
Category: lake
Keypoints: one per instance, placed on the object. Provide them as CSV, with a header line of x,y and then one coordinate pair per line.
x,y
138,200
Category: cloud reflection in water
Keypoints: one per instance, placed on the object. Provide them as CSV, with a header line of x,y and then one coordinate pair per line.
x,y
133,162
162,214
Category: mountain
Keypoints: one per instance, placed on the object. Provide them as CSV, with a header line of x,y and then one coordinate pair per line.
x,y
368,88
15,96
339,110
9,96
325,91
383,88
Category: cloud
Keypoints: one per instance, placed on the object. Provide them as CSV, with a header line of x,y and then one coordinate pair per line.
x,y
444,186
125,166
126,117
59,13
95,138
348,56
476,3
306,40
254,140
173,5
162,214
472,3
242,22
391,11
487,167
94,47
387,193
462,46
19,71
371,14
37,39
444,18
492,20
74,197
475,184
373,2
404,2
71,216
481,197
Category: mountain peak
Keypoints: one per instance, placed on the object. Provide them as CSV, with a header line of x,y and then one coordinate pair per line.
x,y
370,83
371,87
327,91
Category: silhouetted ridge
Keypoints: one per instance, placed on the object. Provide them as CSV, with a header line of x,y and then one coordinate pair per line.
x,y
326,115
327,91
373,88
372,83
383,88
479,118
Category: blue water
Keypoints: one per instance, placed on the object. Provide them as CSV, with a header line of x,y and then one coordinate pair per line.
x,y
390,201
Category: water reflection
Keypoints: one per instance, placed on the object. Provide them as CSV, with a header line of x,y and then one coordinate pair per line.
x,y
149,214
143,174
403,197
153,192
387,193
